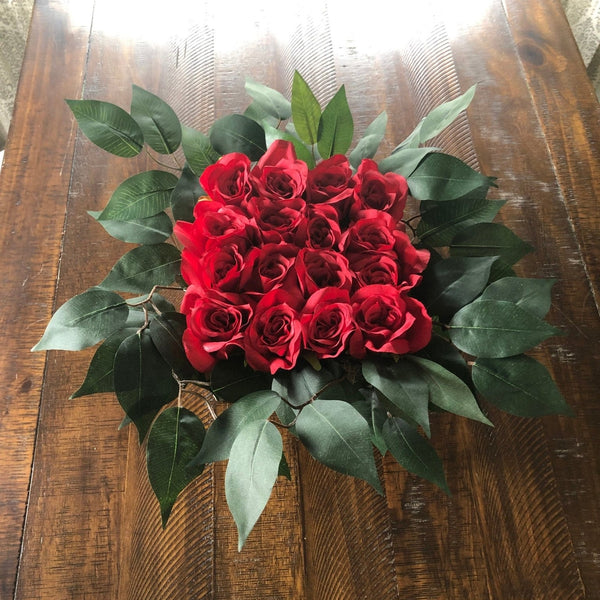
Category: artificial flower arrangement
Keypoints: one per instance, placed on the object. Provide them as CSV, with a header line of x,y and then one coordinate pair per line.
x,y
311,301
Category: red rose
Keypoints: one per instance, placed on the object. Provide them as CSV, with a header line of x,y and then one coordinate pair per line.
x,y
228,180
274,338
279,174
388,320
330,182
318,269
379,191
219,267
372,268
412,261
320,229
372,232
270,267
327,322
277,220
215,326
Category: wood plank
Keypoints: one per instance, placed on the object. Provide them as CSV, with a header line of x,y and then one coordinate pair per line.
x,y
33,190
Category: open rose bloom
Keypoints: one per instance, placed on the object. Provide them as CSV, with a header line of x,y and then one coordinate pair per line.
x,y
282,260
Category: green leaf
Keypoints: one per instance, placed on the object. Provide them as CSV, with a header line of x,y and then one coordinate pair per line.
x,y
284,468
490,239
220,436
143,195
405,161
198,150
237,133
251,473
157,120
413,452
108,126
402,384
453,282
270,100
449,392
257,113
337,435
142,268
444,177
438,119
84,320
143,381
519,385
375,415
151,230
232,378
497,329
445,354
369,144
336,126
302,152
533,295
166,331
175,438
306,112
99,378
185,196
439,225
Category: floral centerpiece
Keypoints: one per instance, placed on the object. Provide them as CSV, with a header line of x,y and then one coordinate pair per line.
x,y
329,296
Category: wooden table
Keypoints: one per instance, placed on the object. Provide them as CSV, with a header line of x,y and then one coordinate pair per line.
x,y
77,518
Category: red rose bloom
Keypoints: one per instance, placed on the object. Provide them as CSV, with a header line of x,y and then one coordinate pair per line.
x,y
388,321
372,232
274,338
228,180
327,322
330,182
277,220
279,174
320,229
318,269
374,269
270,267
379,191
412,261
215,325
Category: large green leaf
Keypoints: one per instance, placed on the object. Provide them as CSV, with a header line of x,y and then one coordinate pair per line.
x,y
497,329
336,126
222,433
336,434
270,100
143,380
440,224
306,112
175,438
151,230
232,378
449,392
84,320
490,239
369,143
413,452
198,150
405,161
533,295
374,413
451,283
251,473
143,195
445,354
157,120
237,133
166,331
437,120
442,177
108,126
402,384
142,268
99,378
519,385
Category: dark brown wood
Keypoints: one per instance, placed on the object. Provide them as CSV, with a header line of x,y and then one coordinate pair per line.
x,y
78,517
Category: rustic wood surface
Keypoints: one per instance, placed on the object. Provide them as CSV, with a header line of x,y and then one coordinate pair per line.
x,y
77,517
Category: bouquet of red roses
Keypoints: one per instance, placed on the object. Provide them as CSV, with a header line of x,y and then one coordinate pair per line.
x,y
311,303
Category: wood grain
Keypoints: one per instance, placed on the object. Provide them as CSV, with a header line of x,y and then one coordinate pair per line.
x,y
79,519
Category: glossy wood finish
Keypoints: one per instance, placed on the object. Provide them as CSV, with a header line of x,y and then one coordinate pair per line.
x,y
78,519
